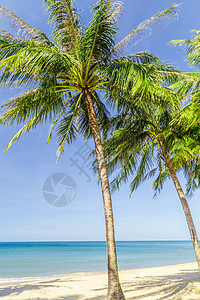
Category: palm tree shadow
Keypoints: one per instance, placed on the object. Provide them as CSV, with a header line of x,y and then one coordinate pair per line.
x,y
170,285
11,290
166,287
17,290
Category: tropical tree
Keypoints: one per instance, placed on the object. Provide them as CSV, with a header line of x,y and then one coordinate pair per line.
x,y
147,144
62,77
188,91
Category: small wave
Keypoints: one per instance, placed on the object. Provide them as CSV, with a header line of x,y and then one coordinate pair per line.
x,y
22,279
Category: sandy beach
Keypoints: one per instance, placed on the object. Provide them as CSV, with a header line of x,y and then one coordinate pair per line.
x,y
169,282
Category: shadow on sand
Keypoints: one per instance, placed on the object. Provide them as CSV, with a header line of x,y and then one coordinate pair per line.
x,y
165,287
170,286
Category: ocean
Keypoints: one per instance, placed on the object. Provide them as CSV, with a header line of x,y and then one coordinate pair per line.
x,y
31,259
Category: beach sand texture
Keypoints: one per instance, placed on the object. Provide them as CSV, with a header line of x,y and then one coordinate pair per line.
x,y
175,282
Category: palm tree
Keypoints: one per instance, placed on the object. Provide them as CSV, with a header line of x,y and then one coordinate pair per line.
x,y
63,76
147,144
188,90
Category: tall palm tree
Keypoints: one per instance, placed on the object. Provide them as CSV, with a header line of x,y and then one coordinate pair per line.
x,y
63,76
147,144
188,91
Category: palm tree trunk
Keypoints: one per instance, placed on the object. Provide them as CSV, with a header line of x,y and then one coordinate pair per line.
x,y
114,287
184,203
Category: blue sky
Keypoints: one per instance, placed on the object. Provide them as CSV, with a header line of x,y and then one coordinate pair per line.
x,y
26,216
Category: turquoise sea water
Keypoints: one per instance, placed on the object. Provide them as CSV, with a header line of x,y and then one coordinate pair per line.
x,y
32,259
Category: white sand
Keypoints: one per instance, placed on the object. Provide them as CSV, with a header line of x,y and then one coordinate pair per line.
x,y
171,282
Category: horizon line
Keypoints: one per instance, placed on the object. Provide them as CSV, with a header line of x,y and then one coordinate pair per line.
x,y
51,241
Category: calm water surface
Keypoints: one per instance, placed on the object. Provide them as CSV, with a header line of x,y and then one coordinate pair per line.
x,y
48,258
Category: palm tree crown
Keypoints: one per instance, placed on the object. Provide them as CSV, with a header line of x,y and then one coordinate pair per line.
x,y
56,73
134,147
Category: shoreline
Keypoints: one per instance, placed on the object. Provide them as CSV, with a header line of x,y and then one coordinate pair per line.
x,y
15,280
180,281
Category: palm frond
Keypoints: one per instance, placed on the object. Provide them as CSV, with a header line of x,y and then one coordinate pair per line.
x,y
100,35
67,130
144,29
25,129
10,47
42,102
139,77
159,182
19,112
191,47
33,62
66,24
7,36
145,165
20,26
